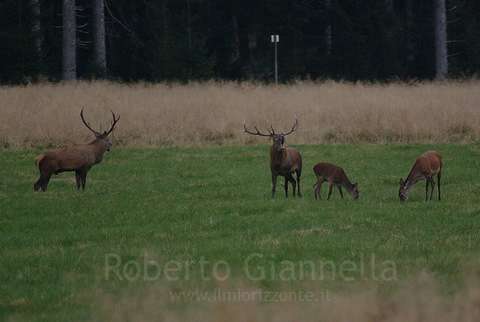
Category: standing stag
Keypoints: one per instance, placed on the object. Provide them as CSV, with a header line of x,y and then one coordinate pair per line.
x,y
78,158
283,161
425,167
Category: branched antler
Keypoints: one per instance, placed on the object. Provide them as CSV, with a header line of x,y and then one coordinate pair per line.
x,y
294,128
113,123
258,132
97,134
88,124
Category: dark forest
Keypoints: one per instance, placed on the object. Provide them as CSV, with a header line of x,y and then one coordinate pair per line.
x,y
195,40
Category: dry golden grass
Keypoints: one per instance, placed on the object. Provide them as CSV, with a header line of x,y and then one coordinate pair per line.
x,y
415,300
212,113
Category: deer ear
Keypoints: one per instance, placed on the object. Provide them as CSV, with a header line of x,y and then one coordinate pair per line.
x,y
401,182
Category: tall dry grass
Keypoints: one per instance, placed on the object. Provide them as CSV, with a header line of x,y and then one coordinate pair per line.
x,y
418,299
212,113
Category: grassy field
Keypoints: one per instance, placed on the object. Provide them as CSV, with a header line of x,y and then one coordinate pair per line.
x,y
153,223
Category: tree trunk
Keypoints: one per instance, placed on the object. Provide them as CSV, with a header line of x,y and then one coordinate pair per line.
x,y
441,61
328,31
189,34
36,32
69,55
243,45
409,35
388,5
99,51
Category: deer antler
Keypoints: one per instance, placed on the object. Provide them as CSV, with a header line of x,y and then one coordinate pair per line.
x,y
294,128
272,132
88,125
97,134
258,132
113,123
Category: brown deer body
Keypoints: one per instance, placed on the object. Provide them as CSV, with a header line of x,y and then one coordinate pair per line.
x,y
425,167
78,158
283,161
335,176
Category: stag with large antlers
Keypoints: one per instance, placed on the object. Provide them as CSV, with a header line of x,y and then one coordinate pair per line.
x,y
283,161
78,158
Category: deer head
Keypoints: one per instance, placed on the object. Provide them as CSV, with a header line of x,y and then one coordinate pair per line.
x,y
102,136
278,139
404,190
354,194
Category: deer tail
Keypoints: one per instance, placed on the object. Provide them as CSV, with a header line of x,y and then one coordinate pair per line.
x,y
39,159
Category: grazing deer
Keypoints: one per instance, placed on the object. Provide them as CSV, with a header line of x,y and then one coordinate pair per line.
x,y
78,158
283,161
335,176
425,167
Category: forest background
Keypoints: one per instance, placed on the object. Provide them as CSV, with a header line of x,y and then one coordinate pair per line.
x,y
196,40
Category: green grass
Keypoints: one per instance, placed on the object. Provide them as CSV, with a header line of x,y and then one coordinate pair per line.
x,y
185,205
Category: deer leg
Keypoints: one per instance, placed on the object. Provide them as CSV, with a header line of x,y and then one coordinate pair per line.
x,y
330,186
432,184
292,181
340,189
84,178
299,172
37,184
317,188
45,182
78,177
42,182
439,175
274,184
426,189
286,186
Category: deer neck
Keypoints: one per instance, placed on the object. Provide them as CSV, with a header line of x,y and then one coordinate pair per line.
x,y
409,182
411,178
348,185
277,154
98,148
